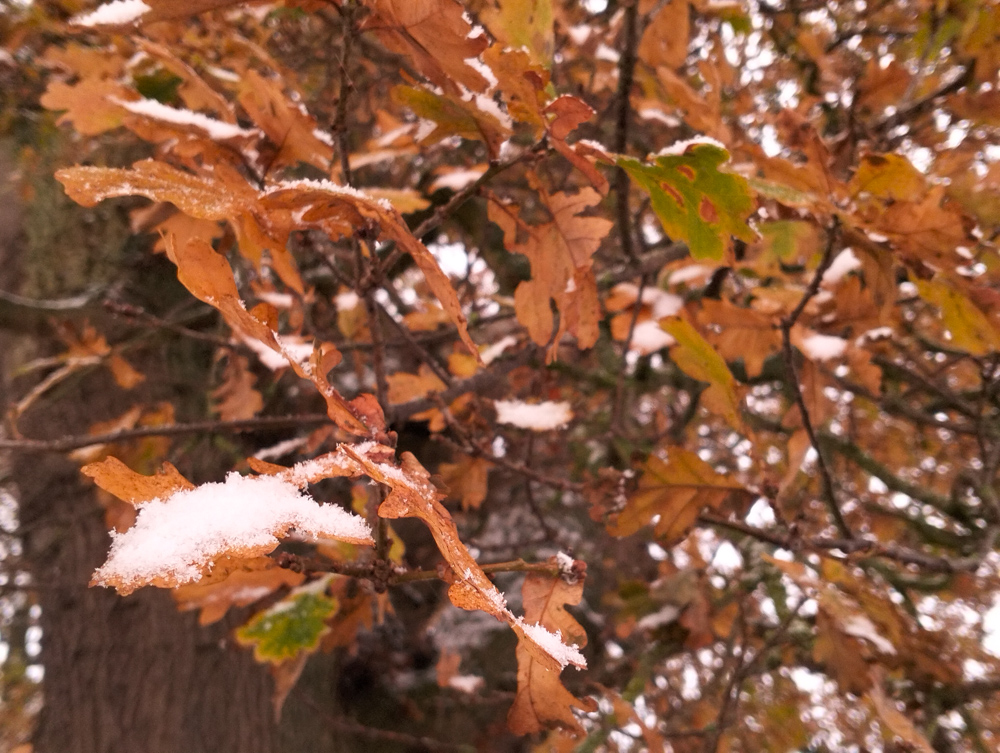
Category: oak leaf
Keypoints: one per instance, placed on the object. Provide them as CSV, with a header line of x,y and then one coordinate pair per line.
x,y
184,532
542,700
676,489
413,496
292,626
435,35
695,201
560,253
699,360
241,588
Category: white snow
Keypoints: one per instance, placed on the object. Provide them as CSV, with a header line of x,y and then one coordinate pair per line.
x,y
281,448
669,613
456,180
859,626
216,129
466,683
330,187
293,348
535,416
565,563
823,347
662,303
494,351
113,14
874,335
179,538
552,644
844,263
680,147
648,337
483,70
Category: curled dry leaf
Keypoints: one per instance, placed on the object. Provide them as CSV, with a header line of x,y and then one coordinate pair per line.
x,y
413,496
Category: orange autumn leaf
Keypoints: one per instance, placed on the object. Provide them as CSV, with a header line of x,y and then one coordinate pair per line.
x,y
542,700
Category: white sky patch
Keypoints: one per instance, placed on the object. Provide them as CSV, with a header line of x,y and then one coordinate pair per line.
x,y
553,645
113,14
761,514
534,416
843,264
178,537
727,560
823,347
452,258
859,626
216,129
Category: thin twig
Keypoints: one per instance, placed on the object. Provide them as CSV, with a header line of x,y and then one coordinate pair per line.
x,y
793,377
626,77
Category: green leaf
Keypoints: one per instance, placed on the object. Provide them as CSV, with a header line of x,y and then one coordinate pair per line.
x,y
289,627
699,360
695,201
674,491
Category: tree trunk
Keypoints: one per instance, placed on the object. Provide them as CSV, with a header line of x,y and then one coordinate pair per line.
x,y
129,674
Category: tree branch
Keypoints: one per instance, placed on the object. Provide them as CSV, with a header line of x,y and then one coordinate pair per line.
x,y
793,378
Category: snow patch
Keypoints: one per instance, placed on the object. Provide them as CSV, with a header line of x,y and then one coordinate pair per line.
x,y
179,537
844,263
648,337
823,347
534,416
859,626
456,180
552,644
330,187
216,129
680,147
118,13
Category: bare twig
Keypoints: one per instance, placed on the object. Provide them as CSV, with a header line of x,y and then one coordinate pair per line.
x,y
787,324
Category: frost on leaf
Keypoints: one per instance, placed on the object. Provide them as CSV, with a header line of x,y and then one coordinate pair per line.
x,y
695,201
541,699
413,496
181,531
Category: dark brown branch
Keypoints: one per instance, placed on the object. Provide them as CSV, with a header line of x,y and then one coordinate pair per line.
x,y
903,555
787,324
623,117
